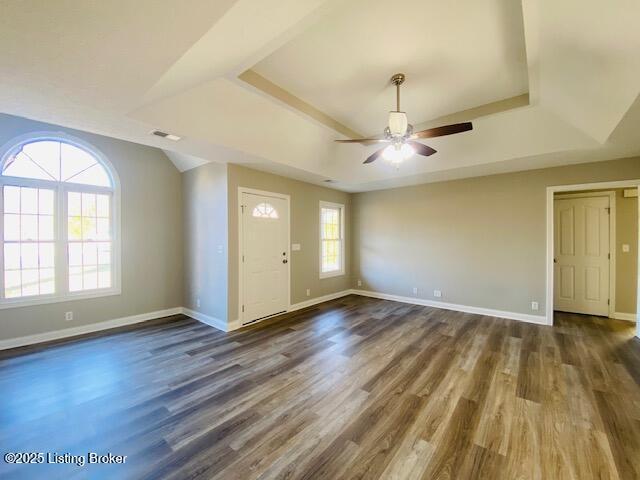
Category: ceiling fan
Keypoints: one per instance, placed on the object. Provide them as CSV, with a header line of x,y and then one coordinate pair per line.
x,y
400,135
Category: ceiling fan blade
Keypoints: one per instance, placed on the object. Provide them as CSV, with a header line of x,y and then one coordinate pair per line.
x,y
374,156
442,131
364,141
422,149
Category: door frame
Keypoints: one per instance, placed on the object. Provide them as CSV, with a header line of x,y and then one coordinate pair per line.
x,y
612,238
550,234
287,199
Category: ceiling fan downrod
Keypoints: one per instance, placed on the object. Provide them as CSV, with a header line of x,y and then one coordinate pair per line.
x,y
397,80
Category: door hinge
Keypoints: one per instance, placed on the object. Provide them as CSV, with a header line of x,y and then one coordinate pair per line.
x,y
242,207
608,209
608,302
609,256
242,258
243,308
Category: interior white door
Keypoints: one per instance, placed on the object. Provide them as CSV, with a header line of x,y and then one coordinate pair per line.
x,y
265,256
581,255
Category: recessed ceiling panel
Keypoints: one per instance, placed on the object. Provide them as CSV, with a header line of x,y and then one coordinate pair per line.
x,y
456,54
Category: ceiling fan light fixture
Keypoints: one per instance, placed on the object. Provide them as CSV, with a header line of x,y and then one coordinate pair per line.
x,y
397,153
401,137
398,123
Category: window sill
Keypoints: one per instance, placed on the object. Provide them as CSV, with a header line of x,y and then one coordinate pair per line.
x,y
337,273
47,299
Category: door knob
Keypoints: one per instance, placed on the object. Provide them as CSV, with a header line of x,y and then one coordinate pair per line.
x,y
285,261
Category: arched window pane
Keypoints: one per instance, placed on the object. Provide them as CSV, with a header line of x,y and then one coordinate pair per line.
x,y
57,161
22,166
74,161
94,175
265,210
45,154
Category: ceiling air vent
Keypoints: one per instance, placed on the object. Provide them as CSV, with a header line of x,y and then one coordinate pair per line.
x,y
168,136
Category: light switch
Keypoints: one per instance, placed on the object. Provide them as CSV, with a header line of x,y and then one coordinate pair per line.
x,y
295,247
625,247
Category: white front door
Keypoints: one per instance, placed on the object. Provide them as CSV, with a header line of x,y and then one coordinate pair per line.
x,y
265,256
581,255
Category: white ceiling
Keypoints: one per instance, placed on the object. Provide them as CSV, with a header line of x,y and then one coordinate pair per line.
x,y
456,55
123,68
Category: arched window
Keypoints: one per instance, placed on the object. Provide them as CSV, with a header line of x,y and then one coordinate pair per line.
x,y
265,210
59,232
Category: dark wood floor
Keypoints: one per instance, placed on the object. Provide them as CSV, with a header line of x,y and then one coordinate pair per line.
x,y
353,388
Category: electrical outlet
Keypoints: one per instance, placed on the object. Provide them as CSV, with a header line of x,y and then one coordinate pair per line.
x,y
359,283
534,306
198,302
220,248
308,292
625,248
68,316
437,293
415,290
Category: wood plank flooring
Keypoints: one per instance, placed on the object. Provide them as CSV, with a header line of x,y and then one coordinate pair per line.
x,y
353,388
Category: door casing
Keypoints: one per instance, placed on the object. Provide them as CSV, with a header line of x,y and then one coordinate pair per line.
x,y
550,234
286,198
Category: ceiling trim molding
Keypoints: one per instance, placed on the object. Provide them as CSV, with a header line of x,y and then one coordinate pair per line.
x,y
266,86
485,110
258,81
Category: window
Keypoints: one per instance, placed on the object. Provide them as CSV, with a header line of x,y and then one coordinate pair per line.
x,y
331,239
88,241
265,210
58,229
28,241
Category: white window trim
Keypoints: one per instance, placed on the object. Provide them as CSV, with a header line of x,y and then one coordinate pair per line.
x,y
335,273
62,294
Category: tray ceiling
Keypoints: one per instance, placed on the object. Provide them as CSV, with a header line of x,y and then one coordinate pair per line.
x,y
271,83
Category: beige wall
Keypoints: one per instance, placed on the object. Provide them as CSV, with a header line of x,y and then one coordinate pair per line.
x,y
626,263
205,211
481,241
305,230
151,238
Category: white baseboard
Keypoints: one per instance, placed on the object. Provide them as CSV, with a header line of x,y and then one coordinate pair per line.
x,y
84,329
236,324
629,317
222,325
209,320
522,317
317,300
